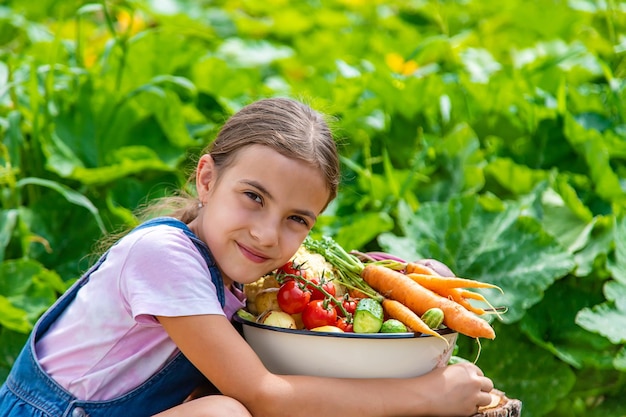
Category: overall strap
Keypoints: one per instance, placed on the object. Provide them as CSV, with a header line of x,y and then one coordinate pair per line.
x,y
216,275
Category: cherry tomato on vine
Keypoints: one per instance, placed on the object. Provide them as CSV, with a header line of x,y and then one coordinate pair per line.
x,y
344,325
349,304
319,313
291,268
292,297
328,286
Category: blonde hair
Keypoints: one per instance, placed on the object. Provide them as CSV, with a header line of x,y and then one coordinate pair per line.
x,y
287,126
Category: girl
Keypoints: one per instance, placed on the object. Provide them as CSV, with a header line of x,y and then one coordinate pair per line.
x,y
151,319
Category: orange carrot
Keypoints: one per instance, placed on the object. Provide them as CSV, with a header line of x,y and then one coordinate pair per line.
x,y
471,295
396,310
435,282
476,296
457,295
414,267
397,286
355,293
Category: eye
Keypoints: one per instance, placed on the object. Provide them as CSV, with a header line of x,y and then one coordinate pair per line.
x,y
254,197
300,220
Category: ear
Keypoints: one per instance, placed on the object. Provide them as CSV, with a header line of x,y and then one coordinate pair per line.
x,y
205,176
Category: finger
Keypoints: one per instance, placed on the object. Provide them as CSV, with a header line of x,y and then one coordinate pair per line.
x,y
484,399
487,385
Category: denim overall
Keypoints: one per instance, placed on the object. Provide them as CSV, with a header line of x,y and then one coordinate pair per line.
x,y
29,391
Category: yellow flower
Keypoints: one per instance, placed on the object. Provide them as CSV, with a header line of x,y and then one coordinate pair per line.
x,y
129,23
399,65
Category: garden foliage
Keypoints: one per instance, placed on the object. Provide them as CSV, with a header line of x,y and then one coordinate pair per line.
x,y
490,135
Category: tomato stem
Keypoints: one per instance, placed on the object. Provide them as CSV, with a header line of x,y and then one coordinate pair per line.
x,y
328,297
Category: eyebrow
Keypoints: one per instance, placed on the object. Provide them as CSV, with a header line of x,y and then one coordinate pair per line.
x,y
265,191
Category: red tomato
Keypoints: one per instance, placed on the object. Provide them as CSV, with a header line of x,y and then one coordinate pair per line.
x,y
328,286
344,325
291,268
292,297
319,313
349,304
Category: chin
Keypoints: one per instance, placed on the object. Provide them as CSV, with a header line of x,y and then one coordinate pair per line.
x,y
247,278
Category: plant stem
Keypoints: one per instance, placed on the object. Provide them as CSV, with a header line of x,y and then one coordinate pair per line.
x,y
320,287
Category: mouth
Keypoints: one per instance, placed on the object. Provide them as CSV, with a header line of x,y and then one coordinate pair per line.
x,y
252,255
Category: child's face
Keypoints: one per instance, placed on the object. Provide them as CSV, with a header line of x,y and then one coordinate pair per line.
x,y
258,212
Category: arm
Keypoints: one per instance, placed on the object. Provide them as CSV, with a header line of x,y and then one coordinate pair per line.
x,y
214,346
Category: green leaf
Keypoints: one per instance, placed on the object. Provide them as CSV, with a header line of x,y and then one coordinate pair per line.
x,y
168,113
517,178
361,228
590,145
12,317
124,162
590,258
28,289
162,52
17,276
215,77
60,157
617,267
620,360
566,218
8,221
502,248
14,138
70,195
551,325
568,229
608,318
460,162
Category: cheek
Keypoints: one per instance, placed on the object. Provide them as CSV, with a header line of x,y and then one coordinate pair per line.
x,y
290,245
224,211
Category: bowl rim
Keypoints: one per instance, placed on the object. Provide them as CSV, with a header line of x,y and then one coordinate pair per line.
x,y
346,335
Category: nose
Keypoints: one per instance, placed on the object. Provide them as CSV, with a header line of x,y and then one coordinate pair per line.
x,y
266,231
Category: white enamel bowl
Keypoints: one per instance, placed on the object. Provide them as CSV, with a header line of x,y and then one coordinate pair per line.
x,y
348,355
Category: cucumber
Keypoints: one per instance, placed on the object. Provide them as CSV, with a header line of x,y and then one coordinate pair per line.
x,y
246,315
393,326
368,316
433,317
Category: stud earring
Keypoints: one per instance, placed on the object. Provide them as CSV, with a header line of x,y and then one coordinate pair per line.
x,y
200,205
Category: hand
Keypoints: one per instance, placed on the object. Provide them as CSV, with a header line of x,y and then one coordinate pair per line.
x,y
459,390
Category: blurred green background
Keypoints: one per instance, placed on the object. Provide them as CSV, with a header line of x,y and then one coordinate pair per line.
x,y
490,135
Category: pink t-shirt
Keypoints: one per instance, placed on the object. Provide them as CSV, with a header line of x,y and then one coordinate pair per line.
x,y
108,341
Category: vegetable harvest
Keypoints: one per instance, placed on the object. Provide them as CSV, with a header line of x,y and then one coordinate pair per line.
x,y
325,287
396,284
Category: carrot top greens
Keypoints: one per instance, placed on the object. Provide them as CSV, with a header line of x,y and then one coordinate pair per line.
x,y
348,267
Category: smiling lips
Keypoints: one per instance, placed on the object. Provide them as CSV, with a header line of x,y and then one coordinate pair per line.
x,y
252,255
